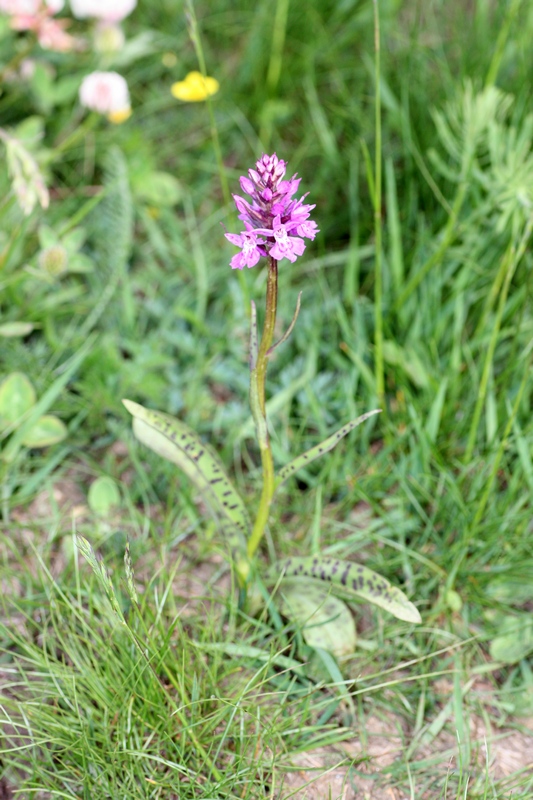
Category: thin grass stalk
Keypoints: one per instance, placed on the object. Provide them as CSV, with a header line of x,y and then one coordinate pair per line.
x,y
278,40
185,700
279,32
378,287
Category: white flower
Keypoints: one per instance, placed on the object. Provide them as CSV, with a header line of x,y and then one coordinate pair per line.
x,y
29,7
107,93
108,10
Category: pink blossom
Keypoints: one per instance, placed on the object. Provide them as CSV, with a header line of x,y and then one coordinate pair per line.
x,y
29,15
251,249
51,35
108,10
286,246
308,229
105,92
20,7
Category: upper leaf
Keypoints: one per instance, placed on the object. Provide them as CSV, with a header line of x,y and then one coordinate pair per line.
x,y
175,441
315,452
352,579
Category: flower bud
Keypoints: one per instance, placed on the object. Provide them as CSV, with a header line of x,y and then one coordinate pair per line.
x,y
53,260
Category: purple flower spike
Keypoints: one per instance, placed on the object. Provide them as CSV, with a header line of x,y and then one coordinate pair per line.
x,y
273,217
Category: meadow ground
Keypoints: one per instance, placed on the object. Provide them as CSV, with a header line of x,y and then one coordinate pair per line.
x,y
146,679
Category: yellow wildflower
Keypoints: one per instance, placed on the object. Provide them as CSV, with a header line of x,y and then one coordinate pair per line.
x,y
194,88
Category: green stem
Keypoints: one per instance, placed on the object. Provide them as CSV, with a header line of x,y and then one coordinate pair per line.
x,y
258,406
501,41
378,287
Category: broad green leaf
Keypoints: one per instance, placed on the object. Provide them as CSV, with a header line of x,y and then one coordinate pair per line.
x,y
513,589
74,239
47,237
17,396
12,329
515,641
325,620
175,441
103,495
158,188
44,403
80,264
46,431
350,579
316,452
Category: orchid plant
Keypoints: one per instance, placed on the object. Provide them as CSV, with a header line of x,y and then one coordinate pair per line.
x,y
311,590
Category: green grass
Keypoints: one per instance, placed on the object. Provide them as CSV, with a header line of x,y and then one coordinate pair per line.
x,y
184,696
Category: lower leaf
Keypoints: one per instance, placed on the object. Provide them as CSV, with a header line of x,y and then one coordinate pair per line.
x,y
350,580
325,620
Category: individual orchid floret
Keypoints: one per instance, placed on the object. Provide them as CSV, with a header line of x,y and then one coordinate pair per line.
x,y
285,246
281,221
107,10
252,248
107,93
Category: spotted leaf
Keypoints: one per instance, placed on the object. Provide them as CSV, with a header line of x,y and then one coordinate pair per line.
x,y
175,441
349,579
325,620
316,452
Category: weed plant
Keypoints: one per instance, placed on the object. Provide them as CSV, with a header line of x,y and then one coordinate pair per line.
x,y
151,682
